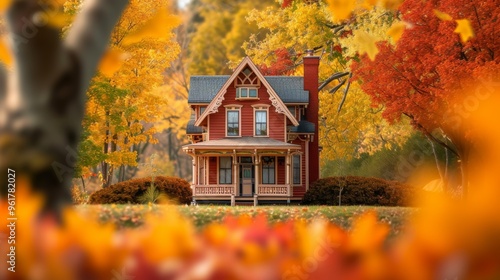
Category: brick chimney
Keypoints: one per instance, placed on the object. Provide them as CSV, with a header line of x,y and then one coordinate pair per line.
x,y
311,83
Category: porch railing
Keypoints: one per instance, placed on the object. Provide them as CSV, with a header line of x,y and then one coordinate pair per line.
x,y
274,190
207,190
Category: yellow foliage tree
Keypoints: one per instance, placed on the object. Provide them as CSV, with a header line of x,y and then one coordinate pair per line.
x,y
124,100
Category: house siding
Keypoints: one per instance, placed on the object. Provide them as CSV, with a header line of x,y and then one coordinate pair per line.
x,y
212,168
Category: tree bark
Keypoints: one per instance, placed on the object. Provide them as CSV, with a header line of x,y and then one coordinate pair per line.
x,y
43,96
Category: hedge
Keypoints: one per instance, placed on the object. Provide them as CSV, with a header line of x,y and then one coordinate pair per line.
x,y
129,191
358,191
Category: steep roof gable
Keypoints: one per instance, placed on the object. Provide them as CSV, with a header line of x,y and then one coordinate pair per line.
x,y
276,101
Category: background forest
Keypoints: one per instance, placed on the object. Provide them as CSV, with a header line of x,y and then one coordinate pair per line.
x,y
141,109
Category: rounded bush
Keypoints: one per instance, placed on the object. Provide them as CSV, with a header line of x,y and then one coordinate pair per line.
x,y
357,191
129,191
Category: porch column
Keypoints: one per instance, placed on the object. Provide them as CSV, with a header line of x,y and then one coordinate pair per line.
x,y
195,178
307,161
235,172
287,172
257,174
195,170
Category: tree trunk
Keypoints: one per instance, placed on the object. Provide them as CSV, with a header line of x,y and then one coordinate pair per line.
x,y
83,183
42,99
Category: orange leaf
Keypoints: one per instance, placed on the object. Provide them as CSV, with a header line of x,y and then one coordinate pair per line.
x,y
111,62
341,9
158,27
396,30
464,29
4,4
5,54
442,16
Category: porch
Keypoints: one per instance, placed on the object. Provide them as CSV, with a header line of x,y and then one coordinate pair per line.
x,y
265,170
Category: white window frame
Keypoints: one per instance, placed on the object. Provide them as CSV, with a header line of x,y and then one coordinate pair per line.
x,y
232,108
238,93
256,108
300,170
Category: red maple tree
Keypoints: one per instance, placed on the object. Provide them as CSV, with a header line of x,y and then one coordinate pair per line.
x,y
283,64
431,75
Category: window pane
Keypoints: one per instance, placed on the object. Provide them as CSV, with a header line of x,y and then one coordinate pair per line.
x,y
261,123
225,170
243,92
202,109
233,123
253,92
268,170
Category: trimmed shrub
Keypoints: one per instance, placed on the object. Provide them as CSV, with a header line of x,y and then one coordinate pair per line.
x,y
358,191
130,191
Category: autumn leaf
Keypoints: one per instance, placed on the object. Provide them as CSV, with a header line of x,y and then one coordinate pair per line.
x,y
367,44
341,9
158,27
396,30
442,16
4,4
111,62
57,19
464,29
5,55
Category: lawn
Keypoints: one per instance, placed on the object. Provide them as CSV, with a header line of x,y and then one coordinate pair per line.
x,y
130,216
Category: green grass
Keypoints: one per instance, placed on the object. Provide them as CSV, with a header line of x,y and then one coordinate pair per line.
x,y
130,216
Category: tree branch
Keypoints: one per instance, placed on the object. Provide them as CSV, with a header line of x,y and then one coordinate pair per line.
x,y
90,33
331,78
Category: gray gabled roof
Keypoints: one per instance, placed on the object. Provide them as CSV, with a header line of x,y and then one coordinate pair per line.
x,y
290,89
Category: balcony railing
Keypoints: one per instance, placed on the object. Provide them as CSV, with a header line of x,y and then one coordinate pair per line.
x,y
228,190
274,190
215,190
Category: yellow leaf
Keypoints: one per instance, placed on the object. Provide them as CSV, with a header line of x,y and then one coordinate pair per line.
x,y
57,19
159,27
367,44
368,4
5,54
442,16
4,4
341,9
111,62
396,30
464,29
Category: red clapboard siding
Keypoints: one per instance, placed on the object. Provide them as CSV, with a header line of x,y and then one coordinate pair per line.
x,y
281,171
217,122
212,168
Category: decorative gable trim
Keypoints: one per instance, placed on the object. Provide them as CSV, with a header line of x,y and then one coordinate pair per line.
x,y
213,107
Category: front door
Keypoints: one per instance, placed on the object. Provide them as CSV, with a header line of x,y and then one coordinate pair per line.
x,y
246,180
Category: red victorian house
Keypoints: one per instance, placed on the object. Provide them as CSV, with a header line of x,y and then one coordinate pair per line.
x,y
254,138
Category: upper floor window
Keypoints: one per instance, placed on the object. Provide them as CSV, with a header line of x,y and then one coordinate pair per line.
x,y
261,123
246,92
233,123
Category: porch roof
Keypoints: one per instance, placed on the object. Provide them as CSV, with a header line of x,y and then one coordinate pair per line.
x,y
242,143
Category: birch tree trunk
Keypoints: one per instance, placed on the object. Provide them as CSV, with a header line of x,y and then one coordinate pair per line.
x,y
42,99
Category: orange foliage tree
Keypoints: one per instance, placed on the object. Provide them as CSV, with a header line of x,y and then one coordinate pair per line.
x,y
427,75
